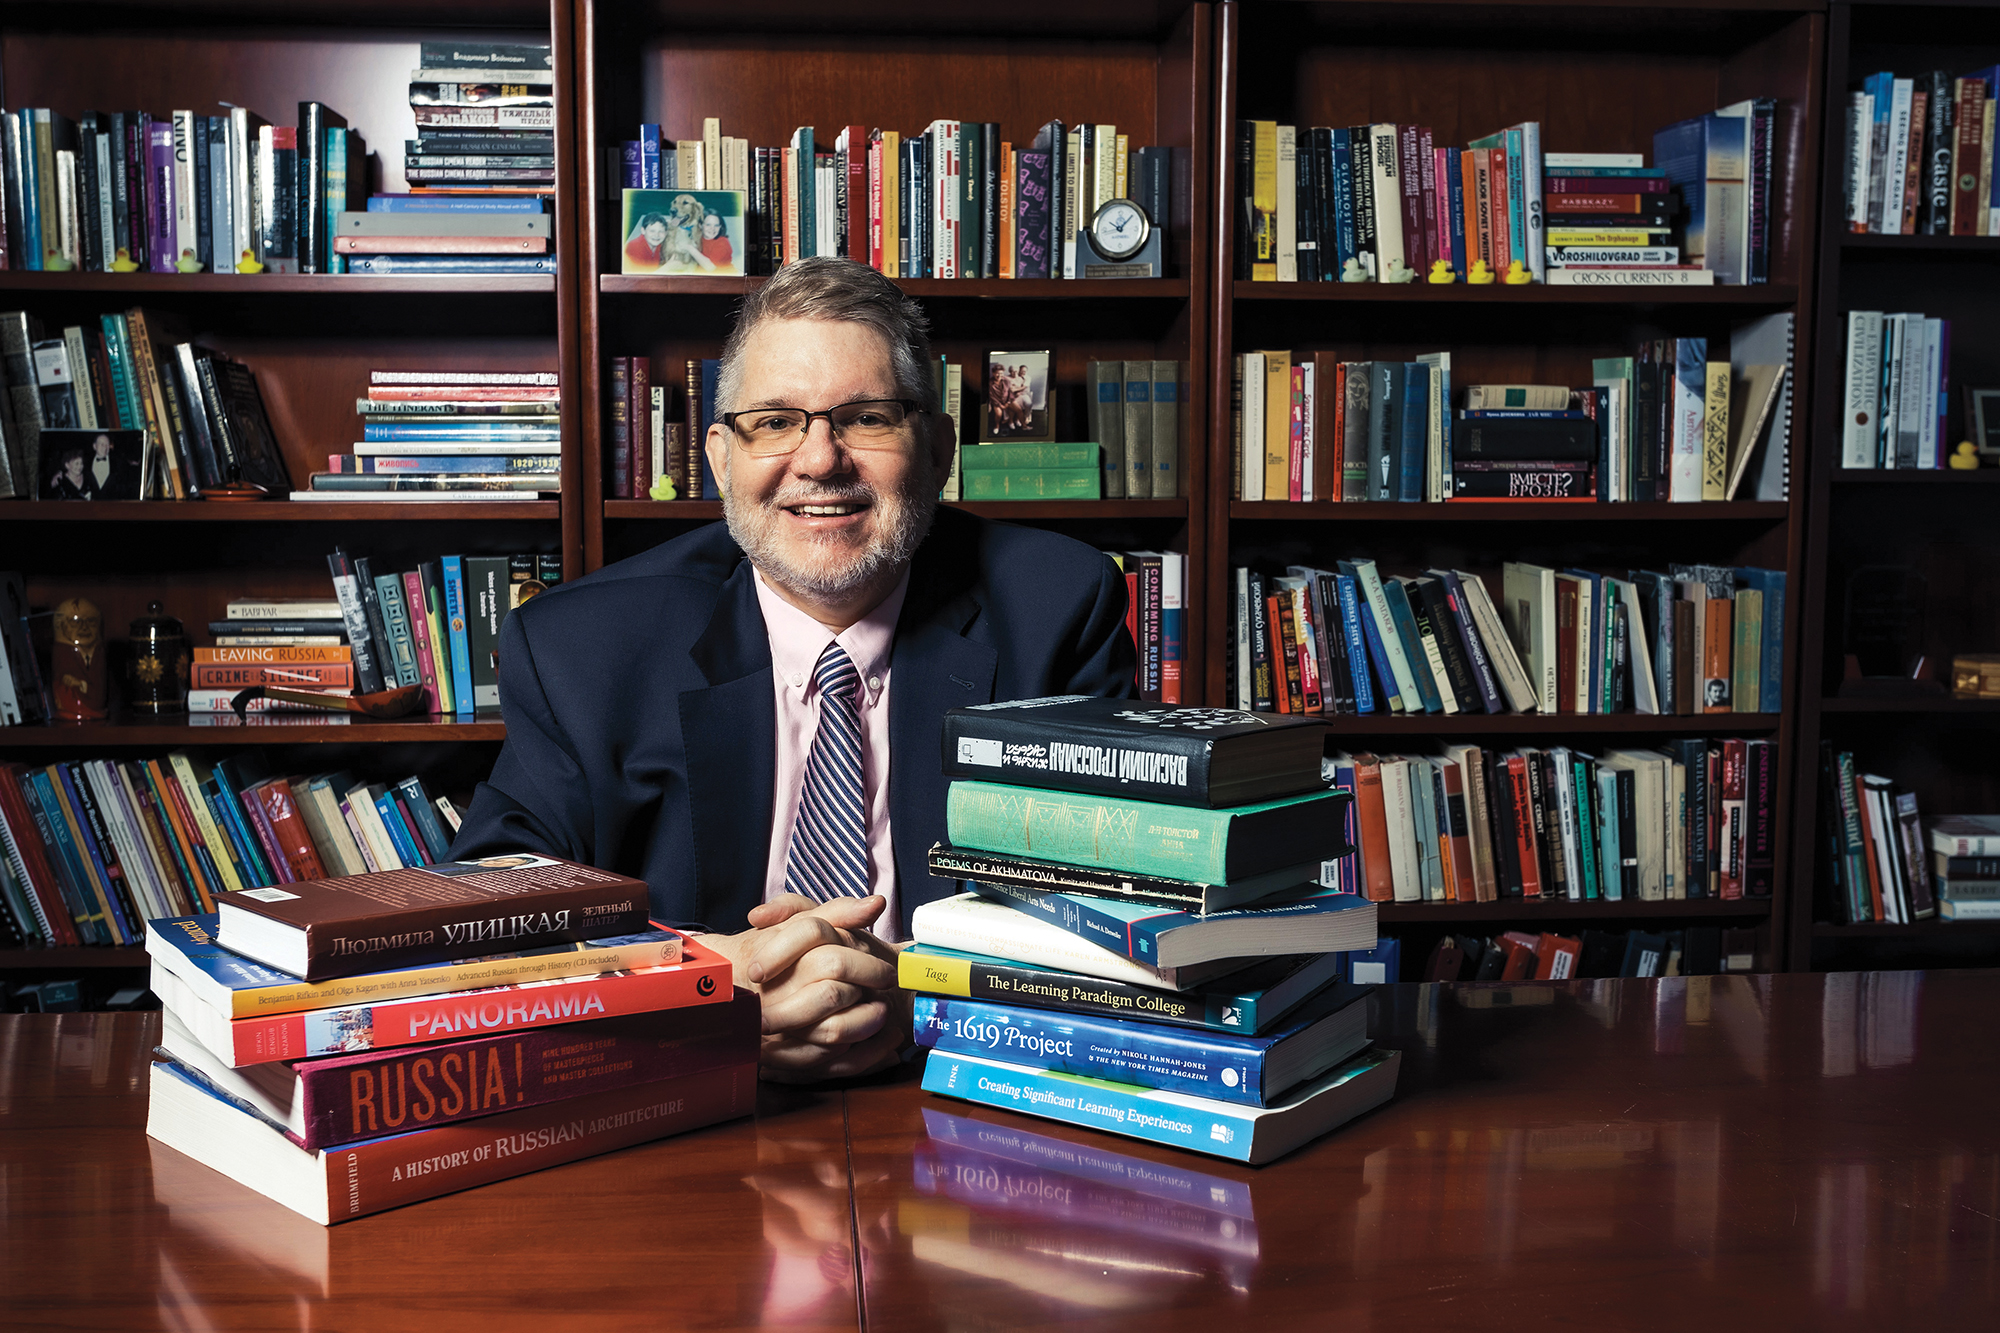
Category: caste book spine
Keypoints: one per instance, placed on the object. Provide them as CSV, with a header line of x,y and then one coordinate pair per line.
x,y
407,1168
347,1098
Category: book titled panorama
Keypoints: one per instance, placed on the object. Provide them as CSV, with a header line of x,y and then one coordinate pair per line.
x,y
327,928
1204,757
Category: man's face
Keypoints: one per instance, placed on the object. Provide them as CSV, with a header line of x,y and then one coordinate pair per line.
x,y
656,232
825,521
102,444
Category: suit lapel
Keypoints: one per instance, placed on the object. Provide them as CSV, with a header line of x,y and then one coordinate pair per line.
x,y
936,668
729,731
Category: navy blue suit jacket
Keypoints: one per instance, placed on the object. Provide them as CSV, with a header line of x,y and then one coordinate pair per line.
x,y
642,730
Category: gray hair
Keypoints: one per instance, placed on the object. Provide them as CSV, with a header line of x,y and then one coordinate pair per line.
x,y
847,292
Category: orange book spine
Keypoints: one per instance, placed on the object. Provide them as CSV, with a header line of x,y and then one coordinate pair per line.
x,y
1285,667
309,675
167,791
294,842
1372,817
1310,693
1717,631
1524,826
1458,836
281,655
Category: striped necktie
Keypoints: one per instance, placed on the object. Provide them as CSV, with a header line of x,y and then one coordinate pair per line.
x,y
829,852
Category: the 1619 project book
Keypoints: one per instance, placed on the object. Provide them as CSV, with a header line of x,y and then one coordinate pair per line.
x,y
324,928
1147,752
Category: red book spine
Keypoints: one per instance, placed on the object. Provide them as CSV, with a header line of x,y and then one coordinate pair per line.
x,y
421,1020
288,830
875,205
1378,881
639,389
857,192
1524,826
1132,619
413,594
1965,200
619,436
260,829
1437,244
305,675
1285,659
1311,694
27,844
1496,204
1585,202
350,1097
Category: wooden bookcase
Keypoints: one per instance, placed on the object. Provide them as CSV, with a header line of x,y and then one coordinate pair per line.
x,y
1939,523
311,341
1599,79
768,66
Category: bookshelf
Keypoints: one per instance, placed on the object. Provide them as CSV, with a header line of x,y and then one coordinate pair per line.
x,y
1599,79
769,66
311,341
1939,523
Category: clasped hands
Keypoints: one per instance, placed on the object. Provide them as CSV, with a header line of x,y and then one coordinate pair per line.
x,y
832,1008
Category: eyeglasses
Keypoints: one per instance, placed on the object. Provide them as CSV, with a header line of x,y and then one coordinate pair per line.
x,y
875,423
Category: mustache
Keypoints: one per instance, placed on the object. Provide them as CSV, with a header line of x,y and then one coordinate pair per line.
x,y
845,492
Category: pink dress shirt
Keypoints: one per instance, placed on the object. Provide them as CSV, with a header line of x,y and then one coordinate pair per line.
x,y
796,643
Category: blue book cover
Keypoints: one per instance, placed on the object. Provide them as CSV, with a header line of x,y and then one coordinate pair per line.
x,y
649,157
1611,856
31,206
1164,937
233,776
1223,1066
631,175
1351,622
399,832
428,826
803,160
228,817
1084,1161
1771,661
446,430
1376,966
1345,244
92,925
1586,824
1201,1124
1378,654
1031,215
1460,264
456,203
709,370
1414,421
1404,621
489,264
455,634
93,859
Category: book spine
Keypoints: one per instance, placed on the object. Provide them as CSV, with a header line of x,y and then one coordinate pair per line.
x,y
1151,765
998,981
1226,1069
345,1099
309,676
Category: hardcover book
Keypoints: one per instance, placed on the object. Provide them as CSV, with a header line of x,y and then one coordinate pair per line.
x,y
1178,756
1029,875
1296,921
457,909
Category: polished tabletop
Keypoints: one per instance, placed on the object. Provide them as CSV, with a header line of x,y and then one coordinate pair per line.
x,y
1772,1152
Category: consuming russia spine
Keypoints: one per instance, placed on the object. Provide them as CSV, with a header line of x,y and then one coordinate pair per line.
x,y
406,1168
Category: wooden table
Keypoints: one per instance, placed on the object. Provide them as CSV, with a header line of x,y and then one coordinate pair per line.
x,y
1777,1152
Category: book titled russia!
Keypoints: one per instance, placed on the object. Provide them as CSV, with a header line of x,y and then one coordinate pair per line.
x,y
1205,757
320,929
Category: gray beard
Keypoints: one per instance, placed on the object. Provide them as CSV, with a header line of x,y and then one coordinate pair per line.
x,y
901,524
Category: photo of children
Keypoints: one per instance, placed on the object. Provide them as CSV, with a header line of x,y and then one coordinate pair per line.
x,y
683,232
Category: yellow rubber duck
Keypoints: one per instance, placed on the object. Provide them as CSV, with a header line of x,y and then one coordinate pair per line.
x,y
1352,271
1480,276
1518,275
123,262
1398,271
248,264
663,489
1965,458
1441,272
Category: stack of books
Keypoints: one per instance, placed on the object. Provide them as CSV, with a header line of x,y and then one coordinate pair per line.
x,y
1696,818
1611,222
1875,845
1920,155
207,194
355,1044
295,643
953,200
1965,856
1694,639
485,116
1898,392
450,435
1143,950
1666,423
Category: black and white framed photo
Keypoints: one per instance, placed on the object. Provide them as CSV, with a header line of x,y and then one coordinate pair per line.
x,y
1020,399
1982,418
92,464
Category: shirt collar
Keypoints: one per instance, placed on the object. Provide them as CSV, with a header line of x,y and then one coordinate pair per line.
x,y
797,640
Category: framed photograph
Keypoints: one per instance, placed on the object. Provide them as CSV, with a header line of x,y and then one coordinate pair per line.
x,y
1020,400
92,464
1982,418
686,233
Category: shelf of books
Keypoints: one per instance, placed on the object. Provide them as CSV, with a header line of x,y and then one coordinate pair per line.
x,y
330,332
1540,496
957,150
1895,721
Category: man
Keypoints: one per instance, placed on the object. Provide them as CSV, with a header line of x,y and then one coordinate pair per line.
x,y
749,719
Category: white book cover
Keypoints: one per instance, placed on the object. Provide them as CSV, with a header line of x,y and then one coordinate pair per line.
x,y
1927,438
1288,205
1552,162
1388,198
185,217
1638,651
1566,823
1689,408
1896,167
1241,576
1074,216
1253,425
1515,683
1673,866
1404,874
945,184
1889,413
1864,378
1649,800
1368,580
1528,606
106,226
1860,128
1913,398
1531,206
1437,436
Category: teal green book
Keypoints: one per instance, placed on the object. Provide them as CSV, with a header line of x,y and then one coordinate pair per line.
x,y
1144,837
1031,484
1028,454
